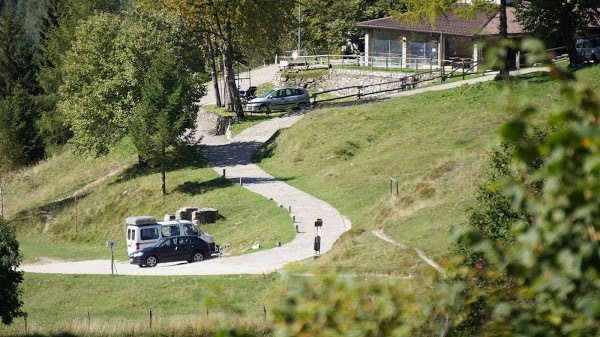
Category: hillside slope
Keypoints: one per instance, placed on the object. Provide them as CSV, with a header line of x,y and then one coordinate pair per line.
x,y
66,207
434,144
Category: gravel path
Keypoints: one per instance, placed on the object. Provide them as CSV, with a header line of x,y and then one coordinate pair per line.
x,y
234,158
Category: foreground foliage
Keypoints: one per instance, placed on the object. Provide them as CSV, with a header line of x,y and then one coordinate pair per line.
x,y
547,282
10,278
537,273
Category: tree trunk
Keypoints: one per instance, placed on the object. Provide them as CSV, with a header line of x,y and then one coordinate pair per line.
x,y
232,92
163,183
213,69
504,69
1,201
567,34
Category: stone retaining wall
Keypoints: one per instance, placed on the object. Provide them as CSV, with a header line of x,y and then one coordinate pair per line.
x,y
218,123
340,78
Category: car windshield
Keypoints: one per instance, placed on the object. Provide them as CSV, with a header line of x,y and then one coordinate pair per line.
x,y
267,93
159,242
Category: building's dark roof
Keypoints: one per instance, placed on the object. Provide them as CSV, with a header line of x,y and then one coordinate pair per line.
x,y
450,24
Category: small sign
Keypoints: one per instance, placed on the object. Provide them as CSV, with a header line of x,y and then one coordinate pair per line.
x,y
111,243
319,223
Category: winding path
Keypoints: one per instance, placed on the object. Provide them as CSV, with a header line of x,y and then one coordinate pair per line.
x,y
234,157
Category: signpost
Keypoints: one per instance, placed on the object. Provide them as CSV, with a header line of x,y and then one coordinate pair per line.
x,y
111,244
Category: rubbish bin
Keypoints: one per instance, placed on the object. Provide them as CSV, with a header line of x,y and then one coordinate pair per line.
x,y
318,243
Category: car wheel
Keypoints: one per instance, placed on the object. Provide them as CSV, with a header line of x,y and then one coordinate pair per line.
x,y
151,261
302,106
264,108
594,58
197,257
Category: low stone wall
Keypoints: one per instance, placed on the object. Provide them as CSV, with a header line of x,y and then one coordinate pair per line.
x,y
218,123
311,83
340,78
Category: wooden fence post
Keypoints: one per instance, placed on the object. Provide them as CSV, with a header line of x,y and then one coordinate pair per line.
x,y
392,181
265,313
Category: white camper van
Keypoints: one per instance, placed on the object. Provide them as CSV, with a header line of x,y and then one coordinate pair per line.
x,y
143,231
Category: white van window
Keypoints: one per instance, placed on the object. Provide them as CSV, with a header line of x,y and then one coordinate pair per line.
x,y
131,234
190,230
170,230
149,233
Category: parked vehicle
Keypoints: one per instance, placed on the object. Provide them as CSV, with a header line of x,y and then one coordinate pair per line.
x,y
588,49
177,248
280,99
248,94
143,231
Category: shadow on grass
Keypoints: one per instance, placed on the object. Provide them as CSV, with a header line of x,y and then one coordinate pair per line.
x,y
537,77
180,157
266,150
196,188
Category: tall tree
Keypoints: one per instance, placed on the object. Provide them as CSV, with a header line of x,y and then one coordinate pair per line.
x,y
95,94
551,19
10,277
22,145
18,86
16,54
165,111
113,85
228,24
57,34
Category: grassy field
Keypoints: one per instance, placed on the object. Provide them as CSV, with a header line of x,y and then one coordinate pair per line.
x,y
434,144
68,206
121,305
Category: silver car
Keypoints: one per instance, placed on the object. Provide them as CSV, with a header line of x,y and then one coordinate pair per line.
x,y
280,99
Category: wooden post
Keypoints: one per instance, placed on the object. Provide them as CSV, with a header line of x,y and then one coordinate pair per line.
x,y
265,312
290,209
392,181
75,213
25,318
223,173
112,263
1,201
150,319
240,181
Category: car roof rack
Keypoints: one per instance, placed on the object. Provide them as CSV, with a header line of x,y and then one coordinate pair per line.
x,y
141,220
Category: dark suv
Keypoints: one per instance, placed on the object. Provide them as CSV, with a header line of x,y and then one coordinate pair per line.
x,y
280,99
170,249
